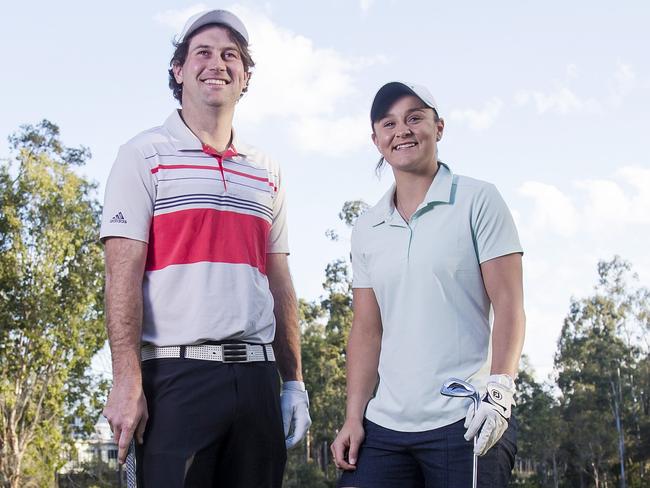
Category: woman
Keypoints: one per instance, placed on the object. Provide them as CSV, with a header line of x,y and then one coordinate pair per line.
x,y
430,261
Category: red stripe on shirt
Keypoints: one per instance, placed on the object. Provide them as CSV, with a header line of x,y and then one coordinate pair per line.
x,y
198,235
212,168
181,166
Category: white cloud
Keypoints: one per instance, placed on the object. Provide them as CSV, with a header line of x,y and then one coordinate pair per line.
x,y
624,82
293,77
296,80
332,137
365,5
618,203
572,71
639,179
176,19
563,99
591,206
479,119
605,202
553,211
560,100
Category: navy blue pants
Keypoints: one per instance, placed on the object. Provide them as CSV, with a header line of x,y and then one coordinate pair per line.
x,y
211,425
439,458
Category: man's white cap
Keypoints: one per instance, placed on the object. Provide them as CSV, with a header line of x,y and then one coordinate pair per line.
x,y
213,17
390,92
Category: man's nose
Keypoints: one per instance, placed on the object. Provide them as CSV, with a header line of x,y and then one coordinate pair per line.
x,y
218,64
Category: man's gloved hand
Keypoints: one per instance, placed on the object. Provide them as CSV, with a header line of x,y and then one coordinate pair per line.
x,y
294,402
492,414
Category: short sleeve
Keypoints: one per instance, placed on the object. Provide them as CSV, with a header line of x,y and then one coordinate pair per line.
x,y
493,227
360,271
278,241
129,197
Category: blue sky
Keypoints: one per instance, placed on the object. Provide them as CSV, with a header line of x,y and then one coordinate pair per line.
x,y
548,100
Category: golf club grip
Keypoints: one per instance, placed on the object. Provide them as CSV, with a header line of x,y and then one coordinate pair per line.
x,y
131,479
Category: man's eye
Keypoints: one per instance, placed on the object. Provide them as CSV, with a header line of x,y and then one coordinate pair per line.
x,y
388,125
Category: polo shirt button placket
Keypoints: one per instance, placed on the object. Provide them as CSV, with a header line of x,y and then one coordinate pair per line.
x,y
223,175
408,251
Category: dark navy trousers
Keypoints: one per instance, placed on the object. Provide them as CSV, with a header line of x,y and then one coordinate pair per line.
x,y
438,458
211,425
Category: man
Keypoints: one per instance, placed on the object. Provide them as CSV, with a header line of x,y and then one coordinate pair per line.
x,y
430,260
198,285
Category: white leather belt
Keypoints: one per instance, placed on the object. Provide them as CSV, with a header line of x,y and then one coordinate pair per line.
x,y
225,353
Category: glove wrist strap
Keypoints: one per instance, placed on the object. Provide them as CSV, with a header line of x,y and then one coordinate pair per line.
x,y
503,379
294,385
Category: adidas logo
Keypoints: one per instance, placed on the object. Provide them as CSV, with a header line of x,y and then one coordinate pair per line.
x,y
118,219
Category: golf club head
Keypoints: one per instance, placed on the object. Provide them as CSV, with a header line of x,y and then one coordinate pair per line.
x,y
457,388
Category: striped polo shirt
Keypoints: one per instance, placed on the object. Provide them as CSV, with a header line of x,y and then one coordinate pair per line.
x,y
209,220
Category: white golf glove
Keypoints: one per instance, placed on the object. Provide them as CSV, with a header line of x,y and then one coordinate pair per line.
x,y
294,402
492,414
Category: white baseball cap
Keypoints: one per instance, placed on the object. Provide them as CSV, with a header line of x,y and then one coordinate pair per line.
x,y
390,92
213,17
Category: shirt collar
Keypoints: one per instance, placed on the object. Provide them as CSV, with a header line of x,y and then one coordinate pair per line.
x,y
183,139
441,186
439,192
230,152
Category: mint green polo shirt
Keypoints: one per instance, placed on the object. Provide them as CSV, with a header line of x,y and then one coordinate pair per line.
x,y
435,311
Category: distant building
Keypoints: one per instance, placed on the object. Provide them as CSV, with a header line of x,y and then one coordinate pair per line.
x,y
95,457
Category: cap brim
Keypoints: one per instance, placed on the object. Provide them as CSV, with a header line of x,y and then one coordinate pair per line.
x,y
389,93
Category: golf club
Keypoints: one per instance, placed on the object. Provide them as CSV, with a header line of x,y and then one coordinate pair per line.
x,y
456,388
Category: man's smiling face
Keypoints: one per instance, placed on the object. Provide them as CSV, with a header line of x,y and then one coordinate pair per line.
x,y
213,73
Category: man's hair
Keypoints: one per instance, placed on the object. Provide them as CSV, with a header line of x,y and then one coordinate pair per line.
x,y
181,50
380,163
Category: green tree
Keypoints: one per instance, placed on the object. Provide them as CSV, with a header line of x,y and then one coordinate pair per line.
x,y
324,339
602,373
325,325
96,473
51,319
541,430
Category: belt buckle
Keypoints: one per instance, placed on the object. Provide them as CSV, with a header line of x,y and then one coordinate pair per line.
x,y
234,353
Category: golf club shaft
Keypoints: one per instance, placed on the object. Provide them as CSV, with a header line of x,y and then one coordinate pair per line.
x,y
477,400
474,466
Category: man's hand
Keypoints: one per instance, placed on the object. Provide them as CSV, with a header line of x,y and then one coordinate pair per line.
x,y
492,414
126,412
294,402
345,448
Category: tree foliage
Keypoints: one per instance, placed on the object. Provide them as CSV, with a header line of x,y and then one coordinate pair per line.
x,y
325,326
51,319
541,428
596,432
